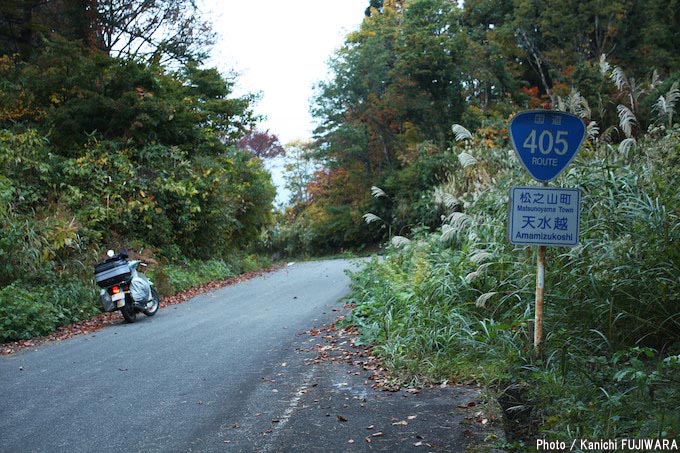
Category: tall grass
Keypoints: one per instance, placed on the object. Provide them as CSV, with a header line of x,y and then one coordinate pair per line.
x,y
459,302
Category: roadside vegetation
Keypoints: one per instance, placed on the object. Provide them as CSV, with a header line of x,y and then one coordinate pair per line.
x,y
414,68
458,302
101,148
413,144
105,147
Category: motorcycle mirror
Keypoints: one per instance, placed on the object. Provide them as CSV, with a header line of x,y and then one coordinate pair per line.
x,y
110,253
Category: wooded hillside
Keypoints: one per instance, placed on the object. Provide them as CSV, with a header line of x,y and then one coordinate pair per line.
x,y
103,145
415,68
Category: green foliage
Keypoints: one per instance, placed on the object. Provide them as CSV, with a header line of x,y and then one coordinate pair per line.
x,y
193,273
131,151
38,310
25,313
180,276
99,153
416,67
291,235
459,301
409,200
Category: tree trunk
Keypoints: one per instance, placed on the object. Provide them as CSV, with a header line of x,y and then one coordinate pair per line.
x,y
536,61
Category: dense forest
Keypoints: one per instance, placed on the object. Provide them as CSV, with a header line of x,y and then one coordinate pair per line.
x,y
415,68
114,133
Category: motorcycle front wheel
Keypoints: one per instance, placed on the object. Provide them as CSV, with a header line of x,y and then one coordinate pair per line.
x,y
155,301
129,312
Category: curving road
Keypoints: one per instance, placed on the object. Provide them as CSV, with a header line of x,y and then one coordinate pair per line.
x,y
184,380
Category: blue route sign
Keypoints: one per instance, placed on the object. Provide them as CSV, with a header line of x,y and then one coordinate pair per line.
x,y
546,141
544,216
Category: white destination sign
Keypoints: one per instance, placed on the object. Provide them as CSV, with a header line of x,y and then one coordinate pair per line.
x,y
544,216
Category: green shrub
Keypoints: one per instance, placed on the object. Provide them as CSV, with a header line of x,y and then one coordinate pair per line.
x,y
291,235
250,263
25,313
75,301
33,311
193,273
445,305
176,277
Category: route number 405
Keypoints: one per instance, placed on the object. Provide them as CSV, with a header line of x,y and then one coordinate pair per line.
x,y
546,142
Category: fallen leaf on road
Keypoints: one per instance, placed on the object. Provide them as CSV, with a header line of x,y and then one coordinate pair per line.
x,y
465,406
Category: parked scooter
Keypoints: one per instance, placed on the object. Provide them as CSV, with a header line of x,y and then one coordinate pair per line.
x,y
125,289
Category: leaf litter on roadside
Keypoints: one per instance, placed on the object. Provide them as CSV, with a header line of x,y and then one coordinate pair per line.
x,y
102,320
337,345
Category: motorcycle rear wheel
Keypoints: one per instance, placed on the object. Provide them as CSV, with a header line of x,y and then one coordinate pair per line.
x,y
156,300
129,312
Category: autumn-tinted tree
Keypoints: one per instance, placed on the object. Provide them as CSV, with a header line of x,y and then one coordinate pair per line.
x,y
416,67
553,39
359,126
397,83
262,144
358,117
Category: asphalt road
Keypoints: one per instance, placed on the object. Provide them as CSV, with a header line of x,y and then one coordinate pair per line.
x,y
236,369
167,383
